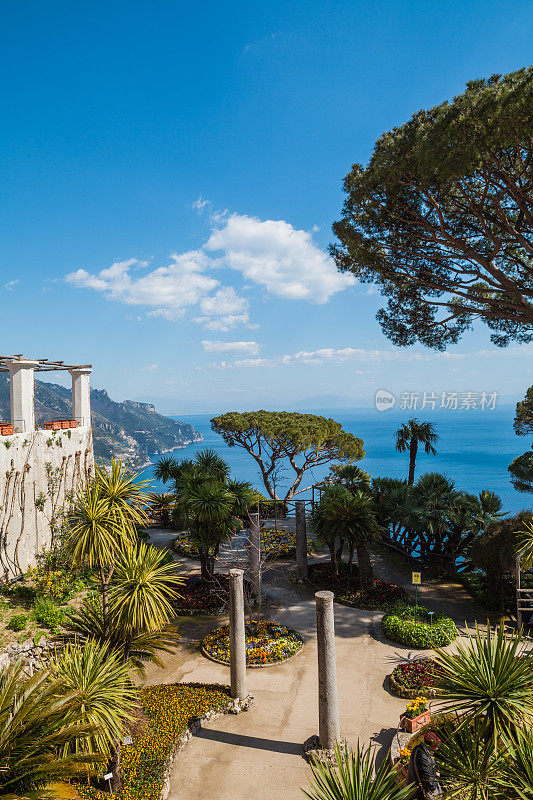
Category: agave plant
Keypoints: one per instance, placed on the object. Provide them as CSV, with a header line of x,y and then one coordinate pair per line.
x,y
37,724
355,777
488,676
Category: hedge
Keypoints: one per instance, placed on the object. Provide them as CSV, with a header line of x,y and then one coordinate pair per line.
x,y
401,626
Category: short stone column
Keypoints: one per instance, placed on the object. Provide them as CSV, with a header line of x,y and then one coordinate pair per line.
x,y
237,634
328,701
81,395
254,555
302,569
22,394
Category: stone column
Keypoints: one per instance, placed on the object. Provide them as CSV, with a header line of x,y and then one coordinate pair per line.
x,y
254,555
81,395
301,541
22,394
328,701
237,636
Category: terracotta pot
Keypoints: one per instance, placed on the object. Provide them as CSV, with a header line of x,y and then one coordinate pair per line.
x,y
73,423
7,430
65,423
54,425
414,724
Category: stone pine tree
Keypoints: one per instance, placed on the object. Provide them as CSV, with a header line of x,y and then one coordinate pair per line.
x,y
441,218
281,438
521,467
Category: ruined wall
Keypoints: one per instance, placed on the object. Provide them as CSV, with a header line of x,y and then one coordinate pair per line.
x,y
37,471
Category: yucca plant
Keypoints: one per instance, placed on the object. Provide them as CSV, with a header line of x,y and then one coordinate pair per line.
x,y
469,765
356,777
516,776
103,521
488,676
108,700
136,647
143,586
525,544
37,724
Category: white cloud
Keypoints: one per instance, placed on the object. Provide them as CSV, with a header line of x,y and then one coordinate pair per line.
x,y
231,347
10,285
273,254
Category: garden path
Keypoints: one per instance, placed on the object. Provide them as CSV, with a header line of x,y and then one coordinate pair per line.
x,y
258,755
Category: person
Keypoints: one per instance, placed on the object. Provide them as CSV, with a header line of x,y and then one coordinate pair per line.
x,y
422,769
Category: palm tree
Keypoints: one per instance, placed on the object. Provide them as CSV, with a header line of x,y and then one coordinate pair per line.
x,y
488,677
347,516
164,469
352,476
210,504
355,776
409,436
161,504
495,549
525,543
37,724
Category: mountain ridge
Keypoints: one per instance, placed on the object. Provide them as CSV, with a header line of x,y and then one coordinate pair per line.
x,y
131,430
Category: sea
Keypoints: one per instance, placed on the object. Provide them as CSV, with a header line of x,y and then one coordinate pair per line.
x,y
474,449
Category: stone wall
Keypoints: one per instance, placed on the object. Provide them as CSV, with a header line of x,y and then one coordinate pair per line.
x,y
37,471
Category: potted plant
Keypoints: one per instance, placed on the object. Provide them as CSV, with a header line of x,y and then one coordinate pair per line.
x,y
53,425
6,429
416,715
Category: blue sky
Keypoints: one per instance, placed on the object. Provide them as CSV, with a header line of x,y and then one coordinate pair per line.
x,y
170,175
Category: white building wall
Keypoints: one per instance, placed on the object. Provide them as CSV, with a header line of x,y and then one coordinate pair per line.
x,y
37,471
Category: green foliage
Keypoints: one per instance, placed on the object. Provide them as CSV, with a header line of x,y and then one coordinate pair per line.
x,y
432,519
440,220
17,622
521,467
273,437
46,613
355,776
209,504
488,676
343,516
37,722
144,584
409,436
268,509
109,699
401,626
495,551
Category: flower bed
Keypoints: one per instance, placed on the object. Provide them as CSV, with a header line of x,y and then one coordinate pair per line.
x,y
197,596
280,543
347,588
168,711
274,544
266,643
401,626
413,678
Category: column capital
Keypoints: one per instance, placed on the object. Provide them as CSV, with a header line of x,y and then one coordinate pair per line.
x,y
25,363
80,370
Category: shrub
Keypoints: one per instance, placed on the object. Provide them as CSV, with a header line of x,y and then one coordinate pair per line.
x,y
48,614
401,626
17,622
57,584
